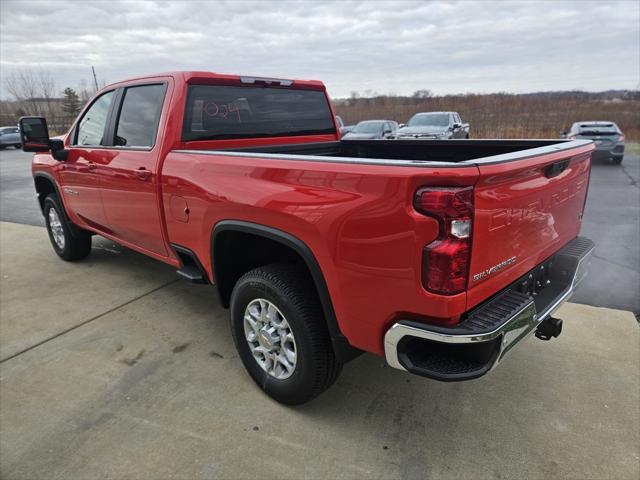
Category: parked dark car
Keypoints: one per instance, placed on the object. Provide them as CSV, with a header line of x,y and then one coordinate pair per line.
x,y
10,137
372,129
434,126
607,136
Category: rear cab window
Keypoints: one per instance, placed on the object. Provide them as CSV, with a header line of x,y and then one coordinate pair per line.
x,y
218,112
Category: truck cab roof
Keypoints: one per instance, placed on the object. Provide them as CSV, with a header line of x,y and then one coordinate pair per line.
x,y
195,77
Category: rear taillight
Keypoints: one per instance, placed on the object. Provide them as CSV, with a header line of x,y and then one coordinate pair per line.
x,y
621,138
445,261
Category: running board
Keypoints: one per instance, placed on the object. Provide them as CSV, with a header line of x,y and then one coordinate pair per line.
x,y
191,268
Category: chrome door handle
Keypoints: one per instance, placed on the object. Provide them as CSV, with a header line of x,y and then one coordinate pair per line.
x,y
91,166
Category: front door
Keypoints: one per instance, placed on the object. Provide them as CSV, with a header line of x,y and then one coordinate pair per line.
x,y
79,177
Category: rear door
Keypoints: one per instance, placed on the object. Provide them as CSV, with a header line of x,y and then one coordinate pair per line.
x,y
129,181
525,210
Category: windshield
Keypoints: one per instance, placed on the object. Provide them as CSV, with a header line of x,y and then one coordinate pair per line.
x,y
367,127
216,112
9,130
429,119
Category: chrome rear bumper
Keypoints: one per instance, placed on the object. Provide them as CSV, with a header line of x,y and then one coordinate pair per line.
x,y
490,331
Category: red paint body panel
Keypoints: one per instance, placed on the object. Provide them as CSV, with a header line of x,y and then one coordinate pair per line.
x,y
357,218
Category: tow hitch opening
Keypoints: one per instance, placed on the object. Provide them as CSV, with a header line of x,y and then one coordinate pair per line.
x,y
551,327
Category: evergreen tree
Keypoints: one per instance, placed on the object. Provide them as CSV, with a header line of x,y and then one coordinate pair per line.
x,y
71,102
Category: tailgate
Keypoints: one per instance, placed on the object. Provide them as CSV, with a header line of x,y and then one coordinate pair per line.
x,y
525,210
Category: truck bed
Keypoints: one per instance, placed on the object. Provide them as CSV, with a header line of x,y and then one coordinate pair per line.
x,y
416,151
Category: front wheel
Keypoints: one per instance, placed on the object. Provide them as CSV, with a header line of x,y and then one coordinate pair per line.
x,y
280,333
68,245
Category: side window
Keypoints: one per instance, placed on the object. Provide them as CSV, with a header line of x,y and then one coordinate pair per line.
x,y
91,126
139,116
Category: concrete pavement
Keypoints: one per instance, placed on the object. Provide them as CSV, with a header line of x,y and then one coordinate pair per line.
x,y
112,369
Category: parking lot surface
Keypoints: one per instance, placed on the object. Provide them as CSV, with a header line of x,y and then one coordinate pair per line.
x,y
611,219
112,368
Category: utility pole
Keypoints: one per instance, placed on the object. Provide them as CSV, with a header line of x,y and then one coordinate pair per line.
x,y
95,80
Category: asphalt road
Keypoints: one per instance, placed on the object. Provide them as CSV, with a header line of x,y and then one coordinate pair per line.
x,y
612,220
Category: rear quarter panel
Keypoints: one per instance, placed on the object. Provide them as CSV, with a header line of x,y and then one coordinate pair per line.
x,y
357,219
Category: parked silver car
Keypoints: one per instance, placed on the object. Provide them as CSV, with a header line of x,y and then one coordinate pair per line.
x,y
344,129
434,126
607,136
10,137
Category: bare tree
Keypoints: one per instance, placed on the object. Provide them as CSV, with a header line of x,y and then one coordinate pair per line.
x,y
23,87
85,92
35,91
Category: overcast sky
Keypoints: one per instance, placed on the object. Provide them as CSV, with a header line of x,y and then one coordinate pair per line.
x,y
388,47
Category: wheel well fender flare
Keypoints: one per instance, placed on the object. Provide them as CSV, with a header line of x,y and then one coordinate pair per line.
x,y
43,176
342,348
38,178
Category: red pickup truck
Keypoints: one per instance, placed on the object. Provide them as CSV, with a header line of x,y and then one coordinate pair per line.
x,y
440,255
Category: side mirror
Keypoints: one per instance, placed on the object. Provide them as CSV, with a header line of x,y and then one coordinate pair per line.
x,y
402,125
34,134
456,126
386,132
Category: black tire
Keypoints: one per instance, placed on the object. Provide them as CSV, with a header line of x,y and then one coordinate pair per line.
x,y
292,292
77,243
617,159
466,137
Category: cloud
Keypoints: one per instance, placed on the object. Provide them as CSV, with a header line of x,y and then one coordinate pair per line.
x,y
396,46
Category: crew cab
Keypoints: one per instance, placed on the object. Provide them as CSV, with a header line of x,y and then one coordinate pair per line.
x,y
441,255
434,126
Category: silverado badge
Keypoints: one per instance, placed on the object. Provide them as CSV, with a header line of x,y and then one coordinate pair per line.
x,y
494,269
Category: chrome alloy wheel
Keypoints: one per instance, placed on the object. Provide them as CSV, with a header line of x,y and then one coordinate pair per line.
x,y
270,338
56,228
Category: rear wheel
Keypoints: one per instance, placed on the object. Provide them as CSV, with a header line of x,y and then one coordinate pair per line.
x,y
68,245
281,335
